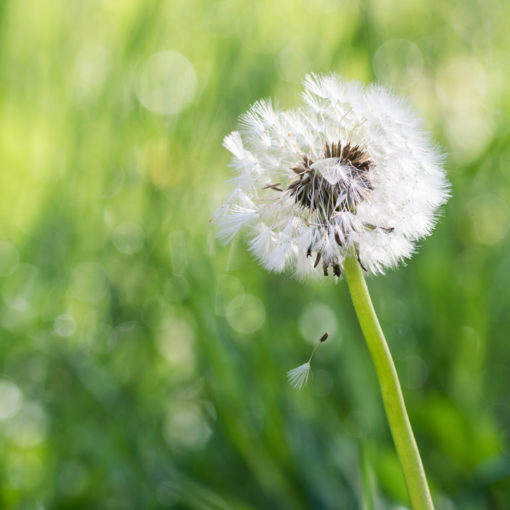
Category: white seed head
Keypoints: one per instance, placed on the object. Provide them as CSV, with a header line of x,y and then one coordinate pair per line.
x,y
350,172
298,377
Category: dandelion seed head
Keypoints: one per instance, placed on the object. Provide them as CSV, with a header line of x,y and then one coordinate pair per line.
x,y
351,171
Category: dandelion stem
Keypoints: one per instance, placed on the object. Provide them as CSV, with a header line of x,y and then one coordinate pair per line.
x,y
313,352
393,399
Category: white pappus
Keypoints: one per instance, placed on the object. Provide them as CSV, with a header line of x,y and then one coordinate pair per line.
x,y
298,377
351,172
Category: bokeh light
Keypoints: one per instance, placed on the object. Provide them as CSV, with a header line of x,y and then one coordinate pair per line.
x,y
166,83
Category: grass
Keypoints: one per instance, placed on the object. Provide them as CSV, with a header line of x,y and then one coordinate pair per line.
x,y
142,364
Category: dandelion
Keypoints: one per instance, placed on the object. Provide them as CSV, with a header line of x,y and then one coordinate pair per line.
x,y
298,377
346,183
351,171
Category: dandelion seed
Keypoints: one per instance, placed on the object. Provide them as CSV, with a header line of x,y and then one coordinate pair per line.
x,y
298,377
350,172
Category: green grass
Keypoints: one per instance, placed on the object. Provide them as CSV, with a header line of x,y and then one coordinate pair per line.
x,y
134,374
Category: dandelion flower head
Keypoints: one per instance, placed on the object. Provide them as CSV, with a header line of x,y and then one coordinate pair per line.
x,y
351,172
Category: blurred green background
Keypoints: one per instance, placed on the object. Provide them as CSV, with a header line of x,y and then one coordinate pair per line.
x,y
142,365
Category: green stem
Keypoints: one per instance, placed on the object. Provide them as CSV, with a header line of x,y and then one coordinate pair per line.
x,y
393,399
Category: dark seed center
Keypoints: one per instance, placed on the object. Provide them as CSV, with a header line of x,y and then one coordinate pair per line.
x,y
312,191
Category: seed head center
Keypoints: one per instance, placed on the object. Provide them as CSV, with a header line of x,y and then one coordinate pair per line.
x,y
336,182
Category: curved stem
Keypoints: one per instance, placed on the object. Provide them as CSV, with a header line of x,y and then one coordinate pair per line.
x,y
393,399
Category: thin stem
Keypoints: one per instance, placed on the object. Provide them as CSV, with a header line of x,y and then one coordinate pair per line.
x,y
393,399
313,352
